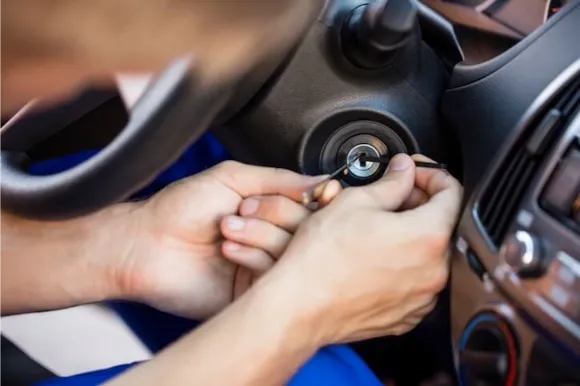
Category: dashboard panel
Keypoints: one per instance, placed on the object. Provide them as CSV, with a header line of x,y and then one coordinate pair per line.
x,y
516,265
487,28
512,18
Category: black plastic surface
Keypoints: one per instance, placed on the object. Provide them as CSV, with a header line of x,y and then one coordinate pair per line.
x,y
465,74
548,366
439,34
171,115
373,33
531,299
319,83
324,141
485,112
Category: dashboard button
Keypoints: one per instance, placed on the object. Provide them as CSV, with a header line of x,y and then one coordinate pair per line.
x,y
565,270
521,252
563,298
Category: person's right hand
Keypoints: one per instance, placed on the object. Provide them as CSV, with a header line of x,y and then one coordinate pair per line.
x,y
373,261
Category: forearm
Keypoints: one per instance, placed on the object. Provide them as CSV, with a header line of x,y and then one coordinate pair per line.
x,y
51,265
258,340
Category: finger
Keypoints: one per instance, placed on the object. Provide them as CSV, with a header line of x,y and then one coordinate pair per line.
x,y
432,181
419,196
445,194
415,199
330,191
256,233
248,180
393,189
243,280
278,210
423,311
256,260
403,328
441,211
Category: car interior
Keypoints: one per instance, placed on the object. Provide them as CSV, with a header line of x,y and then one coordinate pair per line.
x,y
491,88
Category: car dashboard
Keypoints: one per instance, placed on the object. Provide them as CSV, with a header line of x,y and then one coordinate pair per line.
x,y
516,262
511,103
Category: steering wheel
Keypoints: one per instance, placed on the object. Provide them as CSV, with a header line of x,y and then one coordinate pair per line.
x,y
174,112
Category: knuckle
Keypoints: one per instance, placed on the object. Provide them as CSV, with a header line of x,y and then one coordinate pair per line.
x,y
352,196
283,174
430,307
438,241
281,171
437,279
270,208
228,166
440,278
402,329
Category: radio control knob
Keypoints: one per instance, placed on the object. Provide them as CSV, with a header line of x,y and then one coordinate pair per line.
x,y
522,252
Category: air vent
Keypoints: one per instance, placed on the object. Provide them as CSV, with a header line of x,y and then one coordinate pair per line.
x,y
501,200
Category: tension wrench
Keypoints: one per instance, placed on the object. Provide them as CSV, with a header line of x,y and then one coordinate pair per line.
x,y
386,160
312,194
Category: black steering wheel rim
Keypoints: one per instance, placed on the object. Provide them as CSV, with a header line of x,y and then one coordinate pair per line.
x,y
174,111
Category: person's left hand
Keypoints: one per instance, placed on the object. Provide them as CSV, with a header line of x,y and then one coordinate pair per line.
x,y
175,262
265,227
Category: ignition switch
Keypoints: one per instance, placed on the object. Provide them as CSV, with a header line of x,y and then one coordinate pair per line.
x,y
362,169
368,138
362,172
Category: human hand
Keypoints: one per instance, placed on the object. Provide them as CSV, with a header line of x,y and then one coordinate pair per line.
x,y
373,261
176,263
262,230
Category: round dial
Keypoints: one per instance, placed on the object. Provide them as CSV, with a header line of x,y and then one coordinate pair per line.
x,y
488,352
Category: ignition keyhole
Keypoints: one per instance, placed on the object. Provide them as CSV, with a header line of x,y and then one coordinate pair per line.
x,y
362,168
363,162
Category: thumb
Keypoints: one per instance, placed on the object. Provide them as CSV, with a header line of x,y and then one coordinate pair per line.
x,y
391,191
248,180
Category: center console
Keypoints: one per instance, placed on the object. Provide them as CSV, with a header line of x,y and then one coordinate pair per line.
x,y
516,266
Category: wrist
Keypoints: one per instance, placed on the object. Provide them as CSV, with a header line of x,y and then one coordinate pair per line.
x,y
109,238
259,340
281,293
51,265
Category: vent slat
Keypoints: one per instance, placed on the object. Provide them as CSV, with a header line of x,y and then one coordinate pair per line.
x,y
496,192
572,104
499,204
517,194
